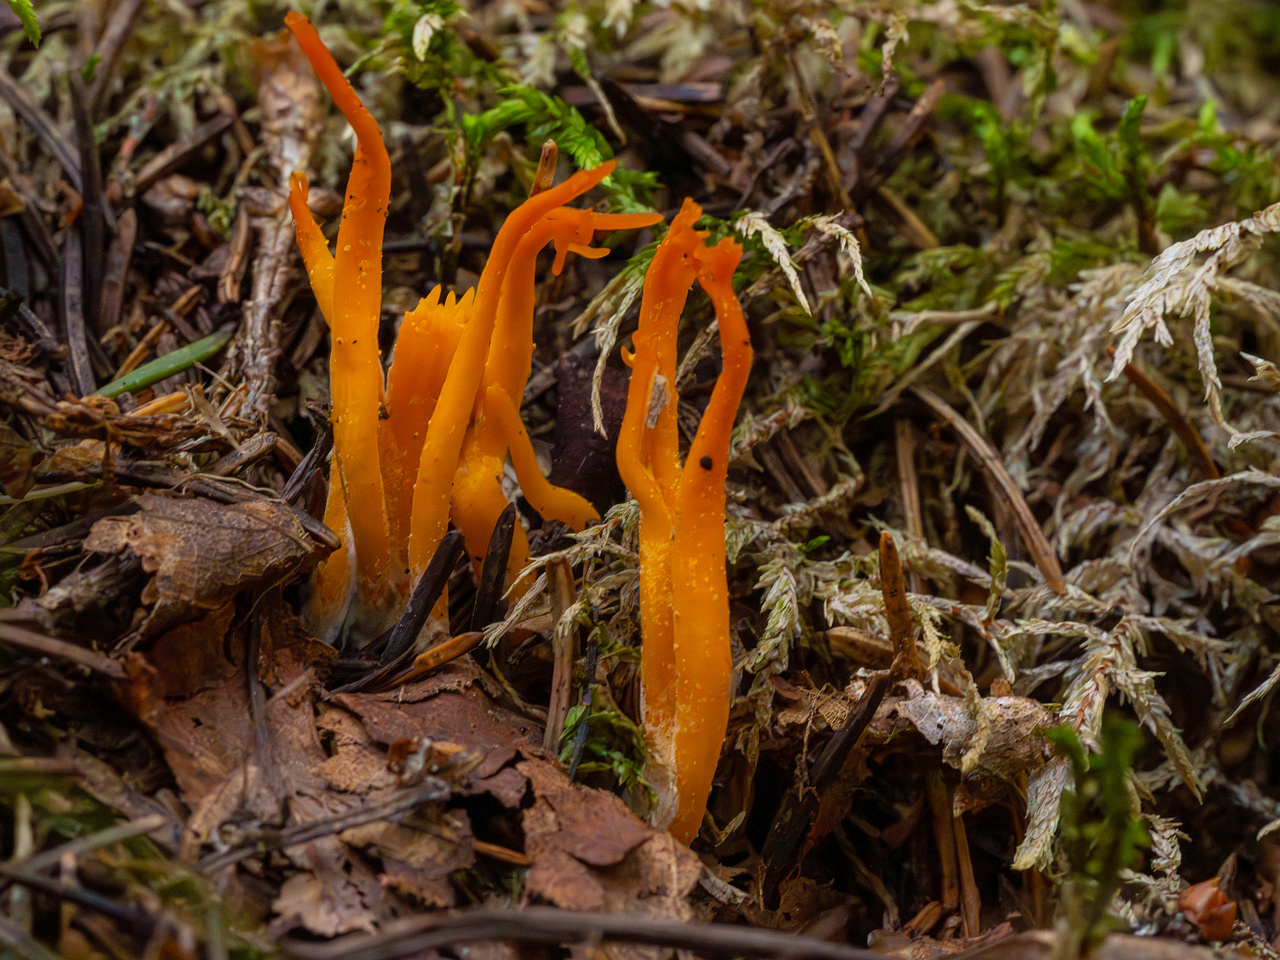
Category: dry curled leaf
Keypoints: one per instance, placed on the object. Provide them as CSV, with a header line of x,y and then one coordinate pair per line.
x,y
203,553
1012,740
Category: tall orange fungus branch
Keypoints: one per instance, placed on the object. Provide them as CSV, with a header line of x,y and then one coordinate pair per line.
x,y
649,461
332,585
443,443
429,337
699,581
478,499
355,366
685,665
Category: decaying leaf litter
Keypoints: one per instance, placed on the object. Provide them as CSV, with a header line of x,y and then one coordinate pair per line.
x,y
956,519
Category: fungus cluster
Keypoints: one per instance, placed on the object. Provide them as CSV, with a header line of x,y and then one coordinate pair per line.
x,y
428,443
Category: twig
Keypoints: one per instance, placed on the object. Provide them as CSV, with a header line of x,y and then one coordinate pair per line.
x,y
989,460
584,728
108,50
22,943
906,659
909,483
50,647
1179,424
553,926
140,350
94,841
545,175
562,654
493,572
30,111
431,660
116,271
944,836
794,819
232,276
913,319
970,899
425,594
917,230
73,313
176,154
92,221
432,790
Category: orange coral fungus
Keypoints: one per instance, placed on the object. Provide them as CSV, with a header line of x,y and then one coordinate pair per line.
x,y
447,431
478,499
354,364
450,408
686,667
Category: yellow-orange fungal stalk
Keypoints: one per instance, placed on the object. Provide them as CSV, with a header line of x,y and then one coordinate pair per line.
x,y
699,581
440,451
333,584
478,498
685,664
312,245
649,462
550,501
428,338
355,366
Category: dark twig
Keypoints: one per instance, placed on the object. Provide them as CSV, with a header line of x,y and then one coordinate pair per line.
x,y
92,220
493,574
388,808
550,925
175,155
423,599
795,817
50,647
73,313
43,124
108,50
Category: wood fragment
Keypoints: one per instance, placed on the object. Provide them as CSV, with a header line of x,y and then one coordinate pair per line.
x,y
51,647
897,610
563,654
944,836
970,900
73,314
989,460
